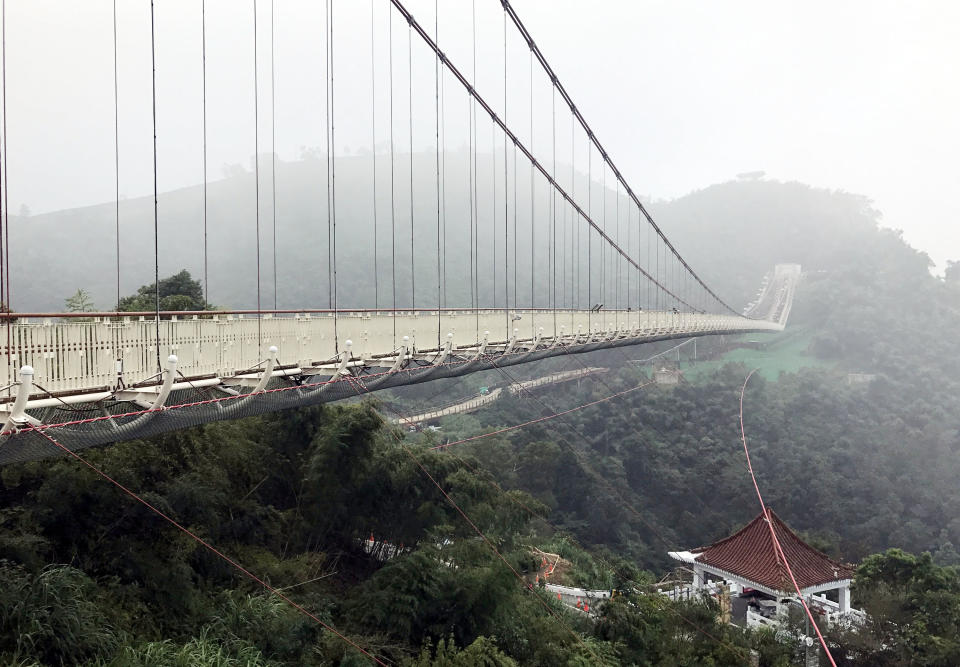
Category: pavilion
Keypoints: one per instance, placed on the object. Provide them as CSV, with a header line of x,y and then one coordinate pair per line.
x,y
749,564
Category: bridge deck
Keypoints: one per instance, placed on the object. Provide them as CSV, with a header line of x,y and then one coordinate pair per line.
x,y
97,378
106,353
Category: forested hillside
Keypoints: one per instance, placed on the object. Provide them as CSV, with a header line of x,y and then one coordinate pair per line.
x,y
858,468
368,236
867,466
89,577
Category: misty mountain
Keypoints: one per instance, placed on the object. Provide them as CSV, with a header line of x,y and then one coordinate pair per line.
x,y
374,245
482,231
863,284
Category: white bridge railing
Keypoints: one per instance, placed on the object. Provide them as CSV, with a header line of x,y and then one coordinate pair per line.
x,y
70,355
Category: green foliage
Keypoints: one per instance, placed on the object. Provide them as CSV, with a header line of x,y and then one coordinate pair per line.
x,y
177,292
860,468
482,652
277,629
914,609
952,273
202,651
79,302
649,630
54,616
294,495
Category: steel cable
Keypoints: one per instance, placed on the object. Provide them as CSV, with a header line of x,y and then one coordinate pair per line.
x,y
156,227
592,137
203,67
116,147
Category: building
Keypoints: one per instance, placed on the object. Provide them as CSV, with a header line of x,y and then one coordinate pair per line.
x,y
759,584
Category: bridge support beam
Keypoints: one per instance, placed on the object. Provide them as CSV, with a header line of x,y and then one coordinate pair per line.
x,y
18,413
152,397
169,374
269,365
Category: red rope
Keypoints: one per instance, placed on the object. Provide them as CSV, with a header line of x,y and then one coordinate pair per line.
x,y
210,547
780,555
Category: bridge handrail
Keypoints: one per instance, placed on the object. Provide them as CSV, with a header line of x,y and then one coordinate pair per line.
x,y
111,314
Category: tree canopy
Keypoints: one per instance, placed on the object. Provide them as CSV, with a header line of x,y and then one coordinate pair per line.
x,y
177,292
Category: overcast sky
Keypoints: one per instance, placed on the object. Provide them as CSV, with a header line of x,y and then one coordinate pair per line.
x,y
858,95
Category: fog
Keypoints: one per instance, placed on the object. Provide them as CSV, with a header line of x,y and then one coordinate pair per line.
x,y
858,96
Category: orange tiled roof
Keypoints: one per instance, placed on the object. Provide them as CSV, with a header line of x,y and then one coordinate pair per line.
x,y
749,553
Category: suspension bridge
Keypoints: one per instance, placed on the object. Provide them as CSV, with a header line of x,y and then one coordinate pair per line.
x,y
524,246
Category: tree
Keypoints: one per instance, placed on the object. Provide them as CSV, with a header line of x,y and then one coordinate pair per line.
x,y
482,652
913,607
80,302
952,272
177,292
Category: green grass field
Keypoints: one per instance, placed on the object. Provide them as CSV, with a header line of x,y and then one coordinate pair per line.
x,y
786,352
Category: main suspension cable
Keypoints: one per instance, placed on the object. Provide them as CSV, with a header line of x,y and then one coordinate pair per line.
x,y
592,137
